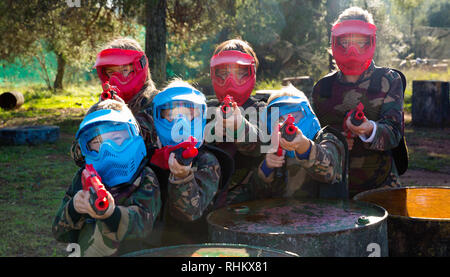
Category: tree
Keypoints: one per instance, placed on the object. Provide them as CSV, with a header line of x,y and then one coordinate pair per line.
x,y
155,39
72,33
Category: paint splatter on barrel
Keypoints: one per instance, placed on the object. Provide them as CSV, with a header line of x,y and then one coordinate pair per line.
x,y
211,250
418,221
306,227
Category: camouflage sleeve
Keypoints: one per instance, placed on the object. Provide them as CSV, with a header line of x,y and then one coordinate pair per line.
x,y
389,125
248,142
188,198
134,218
68,222
326,159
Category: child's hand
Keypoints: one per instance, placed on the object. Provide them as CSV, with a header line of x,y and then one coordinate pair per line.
x,y
299,144
233,122
274,161
82,205
365,129
178,170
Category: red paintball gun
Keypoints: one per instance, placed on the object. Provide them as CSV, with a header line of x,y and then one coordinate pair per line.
x,y
185,152
109,92
356,117
227,106
92,182
288,129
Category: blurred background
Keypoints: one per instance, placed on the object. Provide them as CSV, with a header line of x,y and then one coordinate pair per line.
x,y
54,43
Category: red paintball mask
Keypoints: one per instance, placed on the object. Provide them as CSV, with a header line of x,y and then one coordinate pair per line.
x,y
233,73
353,45
128,85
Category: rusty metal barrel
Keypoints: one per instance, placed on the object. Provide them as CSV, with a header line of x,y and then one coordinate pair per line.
x,y
431,104
211,250
418,221
309,228
11,100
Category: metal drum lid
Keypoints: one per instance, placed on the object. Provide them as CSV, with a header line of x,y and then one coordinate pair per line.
x,y
421,203
211,250
295,216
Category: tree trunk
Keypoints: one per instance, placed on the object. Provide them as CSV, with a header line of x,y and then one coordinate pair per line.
x,y
155,39
430,104
332,13
60,72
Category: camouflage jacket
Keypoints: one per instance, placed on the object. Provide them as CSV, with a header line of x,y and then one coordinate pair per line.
x,y
370,163
137,206
246,154
305,178
186,202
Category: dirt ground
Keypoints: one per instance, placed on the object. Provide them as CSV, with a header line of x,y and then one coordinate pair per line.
x,y
414,177
432,144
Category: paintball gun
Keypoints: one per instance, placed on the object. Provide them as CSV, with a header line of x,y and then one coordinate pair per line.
x,y
356,117
109,92
92,182
288,129
227,106
185,152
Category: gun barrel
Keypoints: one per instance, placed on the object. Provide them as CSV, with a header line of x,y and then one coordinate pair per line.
x,y
107,95
288,129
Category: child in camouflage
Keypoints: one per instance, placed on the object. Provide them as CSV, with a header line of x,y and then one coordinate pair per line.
x,y
110,141
311,163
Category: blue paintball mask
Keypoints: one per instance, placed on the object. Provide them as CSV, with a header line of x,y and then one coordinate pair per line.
x,y
300,109
179,112
110,141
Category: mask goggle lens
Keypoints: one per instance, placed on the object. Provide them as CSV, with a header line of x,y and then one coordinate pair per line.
x,y
170,111
360,42
121,72
117,134
240,73
297,115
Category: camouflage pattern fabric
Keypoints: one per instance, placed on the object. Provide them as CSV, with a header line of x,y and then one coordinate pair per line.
x,y
137,206
188,198
247,155
371,164
186,202
302,178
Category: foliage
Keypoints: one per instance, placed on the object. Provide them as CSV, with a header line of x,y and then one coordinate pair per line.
x,y
74,34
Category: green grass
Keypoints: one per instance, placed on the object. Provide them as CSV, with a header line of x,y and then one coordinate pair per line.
x,y
428,149
32,183
33,179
